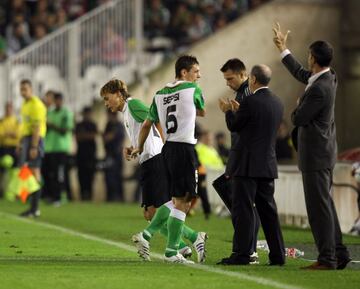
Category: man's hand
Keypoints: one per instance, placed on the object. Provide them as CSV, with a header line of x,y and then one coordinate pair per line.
x,y
280,38
224,105
33,153
234,105
127,153
136,152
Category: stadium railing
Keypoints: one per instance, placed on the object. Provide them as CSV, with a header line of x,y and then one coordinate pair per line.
x,y
79,57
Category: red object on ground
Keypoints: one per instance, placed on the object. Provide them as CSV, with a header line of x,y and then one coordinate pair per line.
x,y
350,155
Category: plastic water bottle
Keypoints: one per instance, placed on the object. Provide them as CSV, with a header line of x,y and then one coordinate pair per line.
x,y
262,245
293,253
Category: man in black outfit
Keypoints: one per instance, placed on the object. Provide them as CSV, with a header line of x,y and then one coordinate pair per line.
x,y
113,138
314,137
236,77
85,133
257,120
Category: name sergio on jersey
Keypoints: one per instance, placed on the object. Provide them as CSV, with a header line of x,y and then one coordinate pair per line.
x,y
171,98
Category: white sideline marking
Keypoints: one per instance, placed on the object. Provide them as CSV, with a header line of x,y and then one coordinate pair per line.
x,y
238,275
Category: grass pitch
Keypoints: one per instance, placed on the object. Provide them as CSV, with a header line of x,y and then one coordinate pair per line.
x,y
86,245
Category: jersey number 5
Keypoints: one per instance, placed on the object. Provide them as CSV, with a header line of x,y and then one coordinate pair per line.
x,y
171,121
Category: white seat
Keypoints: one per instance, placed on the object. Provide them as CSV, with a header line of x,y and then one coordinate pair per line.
x,y
84,96
55,84
96,73
43,74
46,71
124,72
20,71
150,61
95,77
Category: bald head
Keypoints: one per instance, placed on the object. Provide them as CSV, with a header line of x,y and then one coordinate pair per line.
x,y
262,74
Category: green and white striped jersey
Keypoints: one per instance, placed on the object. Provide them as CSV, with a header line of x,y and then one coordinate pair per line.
x,y
174,107
135,113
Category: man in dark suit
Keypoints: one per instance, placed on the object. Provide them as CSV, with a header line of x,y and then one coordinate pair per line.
x,y
236,77
257,120
315,137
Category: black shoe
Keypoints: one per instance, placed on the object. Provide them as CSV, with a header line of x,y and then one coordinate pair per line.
x,y
342,263
275,264
234,259
30,214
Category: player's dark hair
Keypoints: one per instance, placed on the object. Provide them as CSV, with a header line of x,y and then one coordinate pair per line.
x,y
58,95
234,64
113,86
322,52
26,81
184,62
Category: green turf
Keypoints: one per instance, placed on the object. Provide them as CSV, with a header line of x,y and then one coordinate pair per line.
x,y
33,256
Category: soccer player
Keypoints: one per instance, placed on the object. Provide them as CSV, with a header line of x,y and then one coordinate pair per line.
x,y
175,107
33,130
154,184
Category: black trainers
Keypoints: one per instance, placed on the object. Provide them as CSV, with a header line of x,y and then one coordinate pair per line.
x,y
30,214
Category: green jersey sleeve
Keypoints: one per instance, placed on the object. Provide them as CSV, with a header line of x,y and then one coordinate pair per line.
x,y
199,99
69,120
138,110
153,112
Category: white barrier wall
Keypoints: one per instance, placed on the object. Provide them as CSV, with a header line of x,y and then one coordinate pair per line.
x,y
289,196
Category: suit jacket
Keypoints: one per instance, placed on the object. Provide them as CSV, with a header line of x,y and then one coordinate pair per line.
x,y
257,121
242,93
314,120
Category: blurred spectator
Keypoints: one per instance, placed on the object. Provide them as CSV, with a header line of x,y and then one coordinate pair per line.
x,y
17,18
40,31
183,21
110,51
220,21
113,138
61,18
48,99
112,47
200,28
14,7
9,132
85,133
51,22
208,157
156,19
43,8
58,140
230,10
18,40
179,25
355,229
3,54
74,8
284,148
210,9
222,148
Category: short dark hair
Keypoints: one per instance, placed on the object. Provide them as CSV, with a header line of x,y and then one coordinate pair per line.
x,y
234,64
220,135
26,81
86,110
58,95
184,62
262,74
322,52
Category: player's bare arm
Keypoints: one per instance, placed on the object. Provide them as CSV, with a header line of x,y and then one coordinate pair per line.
x,y
200,112
144,132
158,127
